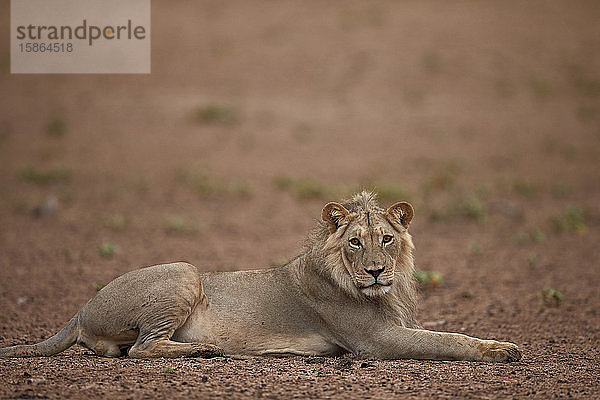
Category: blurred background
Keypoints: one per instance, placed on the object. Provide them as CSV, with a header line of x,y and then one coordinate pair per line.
x,y
485,115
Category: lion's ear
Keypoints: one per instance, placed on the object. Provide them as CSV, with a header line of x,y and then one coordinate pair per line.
x,y
332,214
400,213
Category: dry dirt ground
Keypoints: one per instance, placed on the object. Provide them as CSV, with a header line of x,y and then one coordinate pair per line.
x,y
486,115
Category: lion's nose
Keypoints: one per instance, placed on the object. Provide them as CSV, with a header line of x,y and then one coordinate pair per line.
x,y
374,272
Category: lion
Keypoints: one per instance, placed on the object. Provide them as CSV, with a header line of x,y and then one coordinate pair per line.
x,y
350,291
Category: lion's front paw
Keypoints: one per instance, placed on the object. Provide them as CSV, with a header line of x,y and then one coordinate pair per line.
x,y
492,350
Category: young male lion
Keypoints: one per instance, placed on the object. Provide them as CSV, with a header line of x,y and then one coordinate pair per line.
x,y
351,290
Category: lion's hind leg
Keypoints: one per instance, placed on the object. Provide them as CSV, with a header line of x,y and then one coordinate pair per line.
x,y
142,310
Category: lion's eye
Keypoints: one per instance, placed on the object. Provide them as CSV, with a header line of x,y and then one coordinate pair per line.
x,y
355,242
387,239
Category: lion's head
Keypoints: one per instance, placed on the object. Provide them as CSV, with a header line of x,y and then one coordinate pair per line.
x,y
367,251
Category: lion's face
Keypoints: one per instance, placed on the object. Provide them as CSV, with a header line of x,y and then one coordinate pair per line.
x,y
369,252
369,243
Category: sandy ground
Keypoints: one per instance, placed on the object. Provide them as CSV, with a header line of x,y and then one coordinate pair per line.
x,y
485,115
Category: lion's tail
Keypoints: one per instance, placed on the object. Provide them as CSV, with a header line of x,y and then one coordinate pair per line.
x,y
64,339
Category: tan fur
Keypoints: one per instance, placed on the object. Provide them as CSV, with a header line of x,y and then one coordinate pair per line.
x,y
351,290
